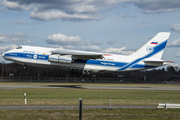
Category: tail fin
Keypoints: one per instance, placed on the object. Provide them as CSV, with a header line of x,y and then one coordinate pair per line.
x,y
153,48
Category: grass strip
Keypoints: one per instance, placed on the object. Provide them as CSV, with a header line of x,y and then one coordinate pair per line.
x,y
43,96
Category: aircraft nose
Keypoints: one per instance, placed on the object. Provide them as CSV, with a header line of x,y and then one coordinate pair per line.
x,y
3,55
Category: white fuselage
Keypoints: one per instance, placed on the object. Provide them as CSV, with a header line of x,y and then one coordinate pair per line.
x,y
39,56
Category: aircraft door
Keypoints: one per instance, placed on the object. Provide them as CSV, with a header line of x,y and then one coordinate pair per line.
x,y
29,58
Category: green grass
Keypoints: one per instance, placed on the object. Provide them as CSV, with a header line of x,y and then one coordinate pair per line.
x,y
44,96
66,96
96,114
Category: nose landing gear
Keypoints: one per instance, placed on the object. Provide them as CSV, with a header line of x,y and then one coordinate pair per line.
x,y
25,67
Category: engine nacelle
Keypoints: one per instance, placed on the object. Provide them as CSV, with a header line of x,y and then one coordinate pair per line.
x,y
60,58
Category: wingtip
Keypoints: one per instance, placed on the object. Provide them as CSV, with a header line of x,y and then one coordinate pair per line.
x,y
171,61
164,33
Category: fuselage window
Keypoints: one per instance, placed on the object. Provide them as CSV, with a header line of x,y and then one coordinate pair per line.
x,y
19,48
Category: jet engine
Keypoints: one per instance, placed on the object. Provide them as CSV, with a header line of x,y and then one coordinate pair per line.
x,y
60,58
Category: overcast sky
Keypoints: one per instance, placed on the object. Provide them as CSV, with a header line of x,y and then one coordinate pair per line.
x,y
114,26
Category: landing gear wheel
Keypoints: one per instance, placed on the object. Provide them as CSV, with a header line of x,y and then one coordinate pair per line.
x,y
25,67
88,73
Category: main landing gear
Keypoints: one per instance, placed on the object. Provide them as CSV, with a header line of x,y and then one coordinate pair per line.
x,y
25,67
77,72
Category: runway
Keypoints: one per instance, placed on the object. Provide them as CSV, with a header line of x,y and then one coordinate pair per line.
x,y
10,87
59,107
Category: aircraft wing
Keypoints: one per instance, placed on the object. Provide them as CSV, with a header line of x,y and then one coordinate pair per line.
x,y
78,54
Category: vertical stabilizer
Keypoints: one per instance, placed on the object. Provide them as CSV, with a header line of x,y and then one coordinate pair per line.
x,y
153,48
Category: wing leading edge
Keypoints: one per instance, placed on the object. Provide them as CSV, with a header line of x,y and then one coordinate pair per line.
x,y
78,54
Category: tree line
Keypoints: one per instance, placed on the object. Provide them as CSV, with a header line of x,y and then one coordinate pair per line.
x,y
150,76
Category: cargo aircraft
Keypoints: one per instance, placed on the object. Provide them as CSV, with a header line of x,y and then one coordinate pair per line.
x,y
82,62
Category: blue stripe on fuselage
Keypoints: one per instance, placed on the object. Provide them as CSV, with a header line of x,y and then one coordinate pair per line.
x,y
111,63
27,56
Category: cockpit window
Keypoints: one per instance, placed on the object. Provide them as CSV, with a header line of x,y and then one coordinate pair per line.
x,y
19,48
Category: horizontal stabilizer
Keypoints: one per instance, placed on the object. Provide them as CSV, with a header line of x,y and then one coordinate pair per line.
x,y
157,62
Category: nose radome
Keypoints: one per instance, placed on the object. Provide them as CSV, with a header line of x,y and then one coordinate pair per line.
x,y
4,54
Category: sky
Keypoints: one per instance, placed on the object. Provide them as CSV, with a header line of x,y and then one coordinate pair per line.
x,y
110,26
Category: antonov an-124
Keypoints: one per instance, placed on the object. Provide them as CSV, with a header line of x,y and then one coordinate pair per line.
x,y
82,62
